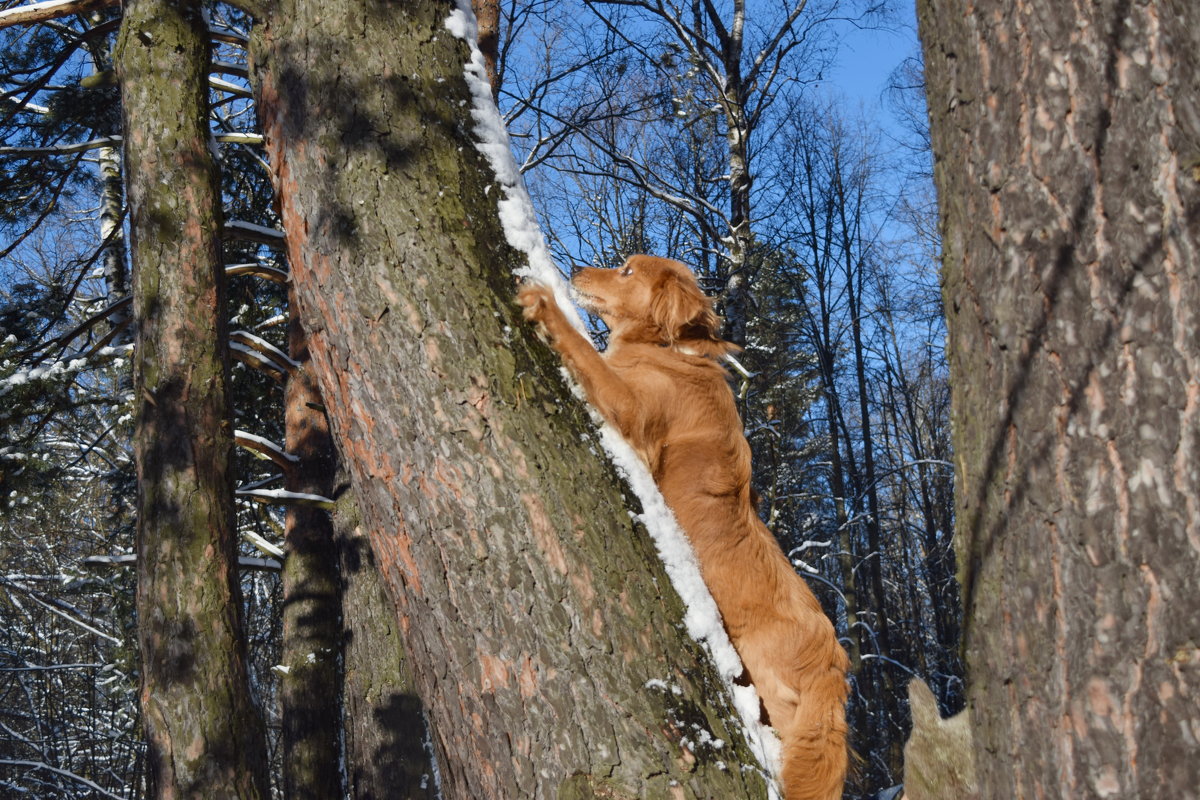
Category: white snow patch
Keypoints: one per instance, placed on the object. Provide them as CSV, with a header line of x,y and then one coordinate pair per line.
x,y
284,496
517,216
522,231
267,444
664,686
263,346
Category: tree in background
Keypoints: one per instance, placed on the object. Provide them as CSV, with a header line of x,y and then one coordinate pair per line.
x,y
204,732
1065,143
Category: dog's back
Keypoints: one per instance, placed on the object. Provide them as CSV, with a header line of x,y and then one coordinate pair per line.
x,y
661,385
787,643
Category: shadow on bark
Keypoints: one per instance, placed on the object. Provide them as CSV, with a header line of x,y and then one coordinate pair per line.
x,y
982,544
387,737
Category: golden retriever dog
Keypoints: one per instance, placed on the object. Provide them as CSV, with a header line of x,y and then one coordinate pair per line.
x,y
660,382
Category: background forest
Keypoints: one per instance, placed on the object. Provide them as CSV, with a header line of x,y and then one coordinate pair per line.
x,y
702,131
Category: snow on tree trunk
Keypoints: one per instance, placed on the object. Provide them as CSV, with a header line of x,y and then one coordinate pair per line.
x,y
545,639
204,733
1066,161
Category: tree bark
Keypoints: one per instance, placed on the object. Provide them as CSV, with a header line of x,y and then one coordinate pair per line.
x,y
205,735
487,15
1065,139
536,613
387,738
310,690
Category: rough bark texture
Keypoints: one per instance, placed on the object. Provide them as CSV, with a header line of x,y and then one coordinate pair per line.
x,y
1067,139
387,755
312,605
204,733
487,17
938,758
533,609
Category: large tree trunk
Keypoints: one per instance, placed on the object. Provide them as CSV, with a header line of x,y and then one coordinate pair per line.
x,y
1066,143
205,735
536,613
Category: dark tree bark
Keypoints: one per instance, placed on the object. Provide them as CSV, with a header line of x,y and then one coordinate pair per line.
x,y
311,688
205,735
1066,161
347,696
487,16
387,740
534,610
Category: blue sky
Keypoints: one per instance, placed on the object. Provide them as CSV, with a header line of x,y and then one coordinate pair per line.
x,y
867,58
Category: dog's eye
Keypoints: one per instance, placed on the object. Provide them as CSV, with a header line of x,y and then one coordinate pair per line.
x,y
627,271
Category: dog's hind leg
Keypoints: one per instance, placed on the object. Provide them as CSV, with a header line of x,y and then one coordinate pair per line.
x,y
803,687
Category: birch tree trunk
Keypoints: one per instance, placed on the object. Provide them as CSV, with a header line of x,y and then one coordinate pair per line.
x,y
536,614
205,735
1067,169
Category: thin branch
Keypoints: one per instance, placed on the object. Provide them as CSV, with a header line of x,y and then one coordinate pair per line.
x,y
273,274
129,559
48,10
61,149
266,448
783,30
39,765
282,497
52,607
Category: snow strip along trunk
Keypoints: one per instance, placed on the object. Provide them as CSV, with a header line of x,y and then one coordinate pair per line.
x,y
522,231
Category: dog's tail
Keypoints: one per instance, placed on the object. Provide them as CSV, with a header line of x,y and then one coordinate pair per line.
x,y
815,750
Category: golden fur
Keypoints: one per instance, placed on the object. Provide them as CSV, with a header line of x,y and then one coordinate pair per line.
x,y
660,384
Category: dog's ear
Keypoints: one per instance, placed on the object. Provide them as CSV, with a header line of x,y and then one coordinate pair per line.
x,y
681,311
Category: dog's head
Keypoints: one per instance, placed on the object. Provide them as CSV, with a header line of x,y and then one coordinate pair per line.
x,y
652,299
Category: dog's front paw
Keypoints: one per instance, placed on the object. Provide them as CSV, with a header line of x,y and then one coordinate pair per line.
x,y
537,301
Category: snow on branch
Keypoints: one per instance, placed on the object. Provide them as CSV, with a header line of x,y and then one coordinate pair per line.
x,y
27,667
266,448
48,10
282,497
239,137
129,559
273,274
67,366
95,787
239,229
702,619
266,349
230,68
61,609
253,358
262,544
230,88
23,104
